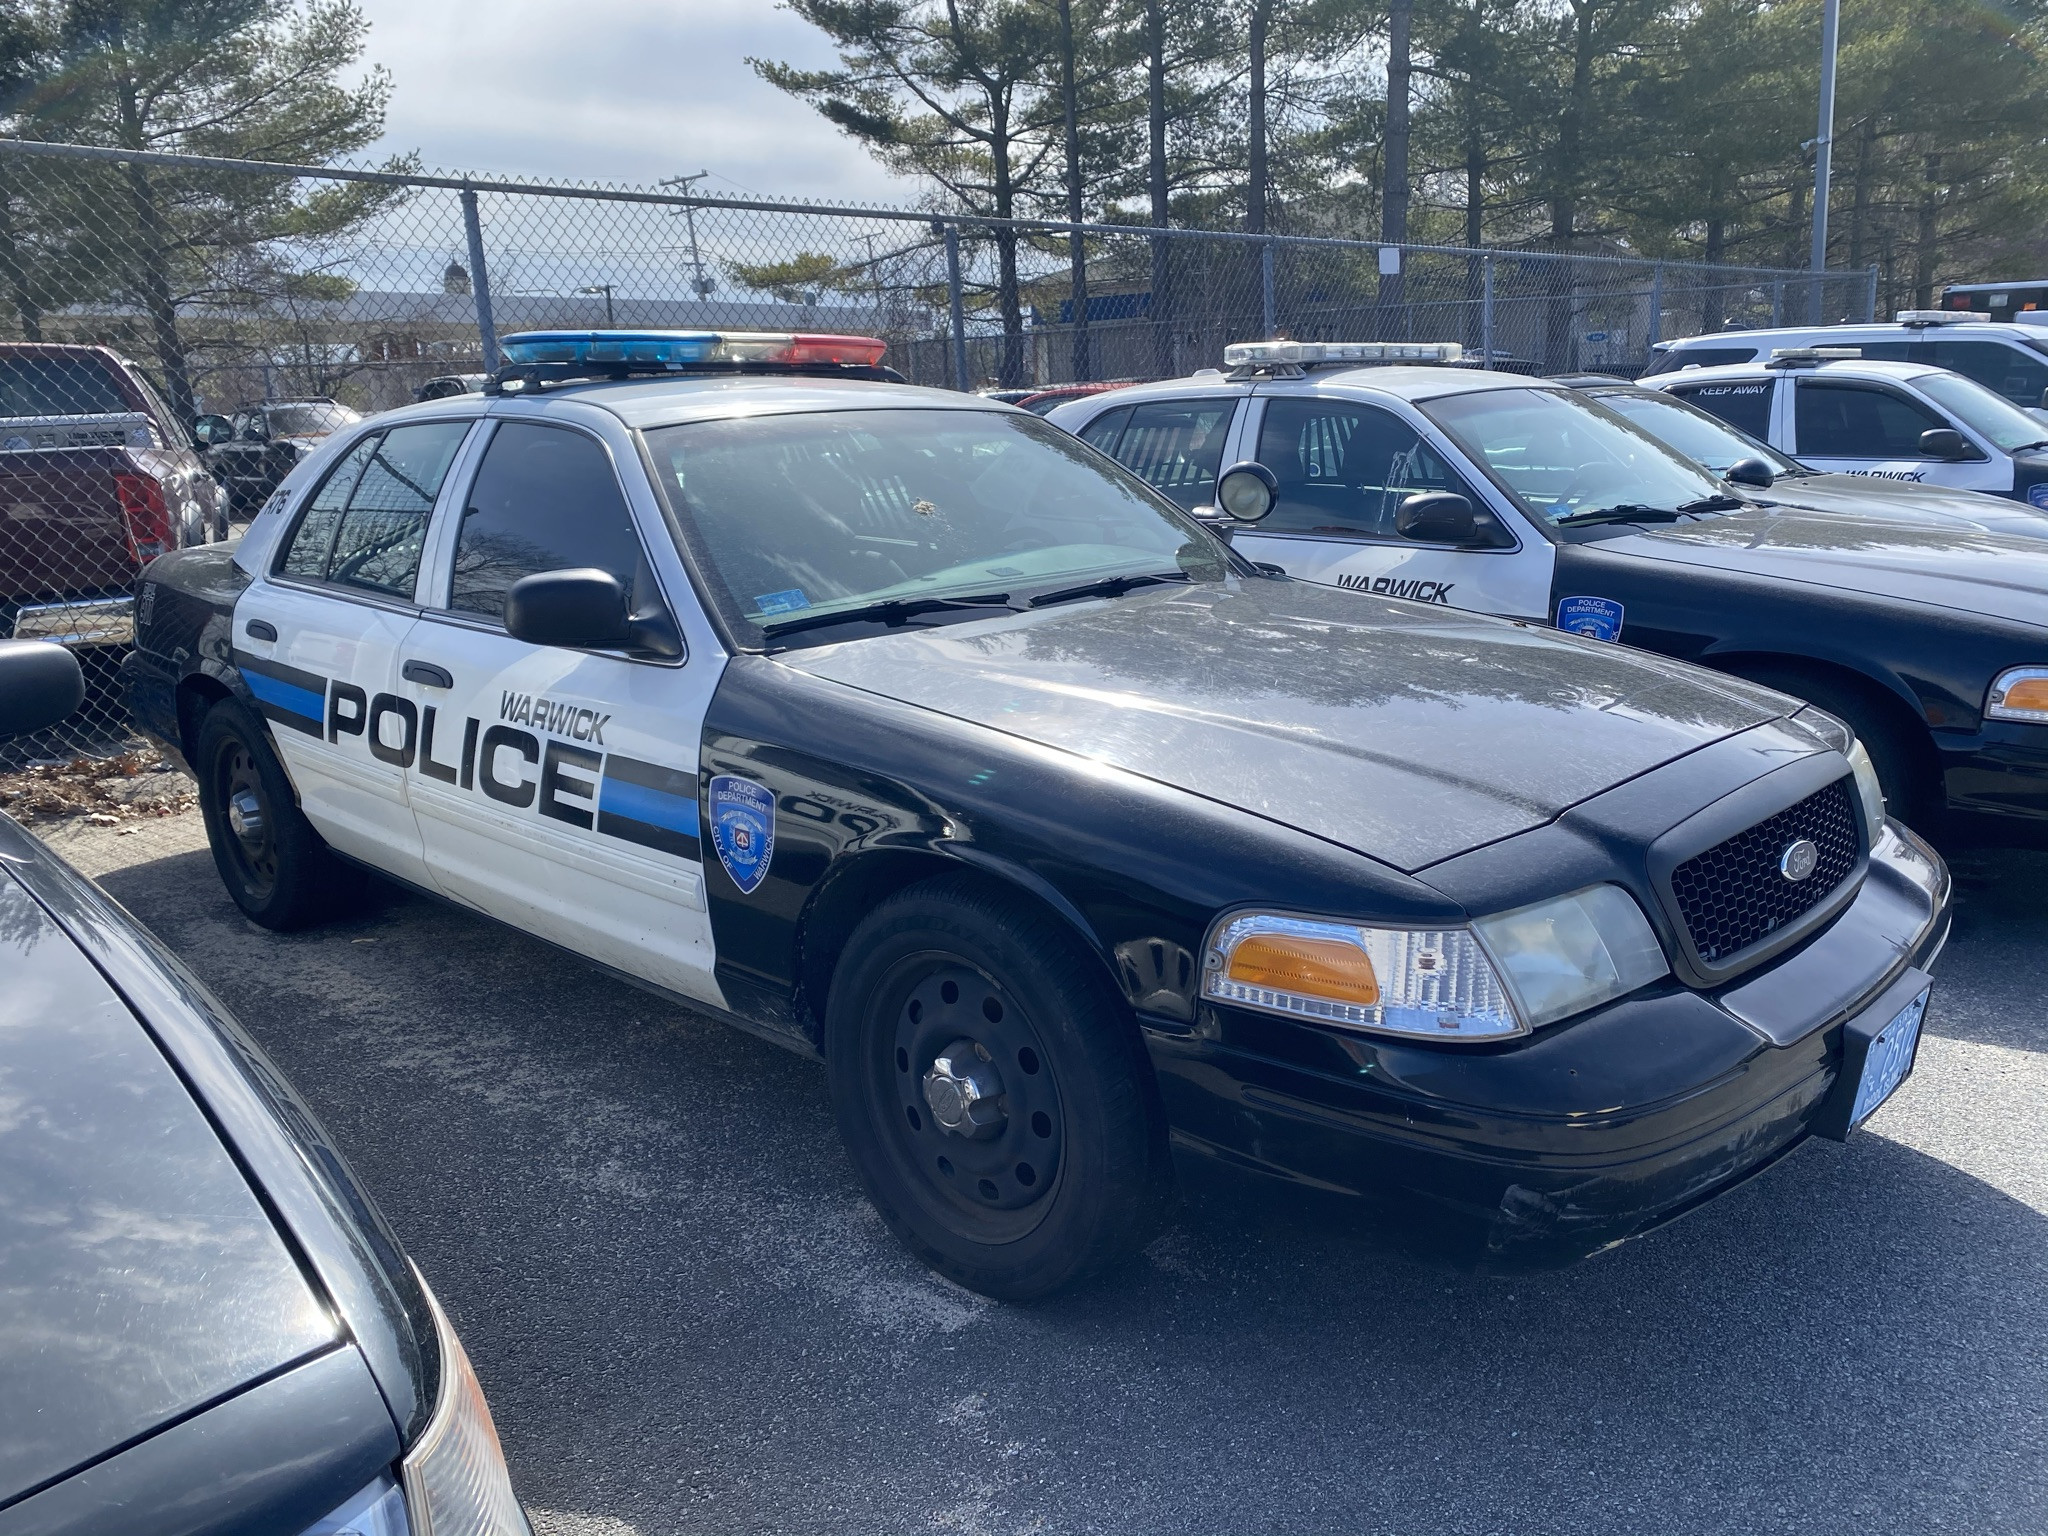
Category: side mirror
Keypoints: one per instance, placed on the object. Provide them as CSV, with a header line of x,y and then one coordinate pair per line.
x,y
1437,517
40,684
1247,491
1943,443
209,430
1755,472
585,610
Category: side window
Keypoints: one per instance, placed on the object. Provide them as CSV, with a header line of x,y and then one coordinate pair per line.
x,y
1176,446
1345,469
364,526
1745,406
1854,421
544,499
1102,432
2019,376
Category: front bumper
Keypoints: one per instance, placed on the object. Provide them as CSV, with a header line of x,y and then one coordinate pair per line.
x,y
77,621
1542,1150
2000,771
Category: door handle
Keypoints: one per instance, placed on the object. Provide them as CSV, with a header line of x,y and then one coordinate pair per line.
x,y
426,674
260,629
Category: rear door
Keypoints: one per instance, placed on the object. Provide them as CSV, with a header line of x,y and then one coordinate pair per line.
x,y
1858,427
318,637
1344,467
557,789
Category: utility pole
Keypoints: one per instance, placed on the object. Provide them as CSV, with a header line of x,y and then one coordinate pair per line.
x,y
698,283
606,290
1823,150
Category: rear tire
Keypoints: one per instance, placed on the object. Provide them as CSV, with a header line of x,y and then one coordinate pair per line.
x,y
1903,757
271,860
1066,1172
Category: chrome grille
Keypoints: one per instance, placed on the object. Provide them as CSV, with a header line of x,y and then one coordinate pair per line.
x,y
1734,894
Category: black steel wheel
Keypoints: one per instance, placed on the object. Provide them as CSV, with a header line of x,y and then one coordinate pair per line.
x,y
271,860
992,1091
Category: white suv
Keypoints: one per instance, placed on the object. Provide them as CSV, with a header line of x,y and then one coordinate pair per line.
x,y
1908,422
2009,358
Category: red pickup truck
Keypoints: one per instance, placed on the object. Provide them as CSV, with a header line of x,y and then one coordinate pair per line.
x,y
97,479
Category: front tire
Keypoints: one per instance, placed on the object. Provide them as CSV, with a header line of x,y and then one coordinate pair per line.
x,y
271,860
992,1092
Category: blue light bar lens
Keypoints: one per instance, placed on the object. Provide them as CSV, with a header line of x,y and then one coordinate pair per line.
x,y
657,348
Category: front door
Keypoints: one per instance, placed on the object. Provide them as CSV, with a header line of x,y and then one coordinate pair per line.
x,y
1849,427
318,636
1344,468
557,789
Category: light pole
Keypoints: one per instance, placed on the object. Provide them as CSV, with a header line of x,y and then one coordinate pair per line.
x,y
702,287
1823,151
606,290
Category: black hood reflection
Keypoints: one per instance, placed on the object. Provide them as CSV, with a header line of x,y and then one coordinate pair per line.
x,y
1404,732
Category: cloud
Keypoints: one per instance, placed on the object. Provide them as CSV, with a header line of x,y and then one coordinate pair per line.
x,y
615,91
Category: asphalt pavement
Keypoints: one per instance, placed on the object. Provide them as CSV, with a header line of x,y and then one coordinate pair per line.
x,y
687,1319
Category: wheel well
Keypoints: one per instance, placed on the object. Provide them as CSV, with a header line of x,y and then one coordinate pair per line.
x,y
196,695
1799,674
864,883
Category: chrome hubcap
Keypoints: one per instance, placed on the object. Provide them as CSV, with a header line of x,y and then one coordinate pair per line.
x,y
245,816
964,1093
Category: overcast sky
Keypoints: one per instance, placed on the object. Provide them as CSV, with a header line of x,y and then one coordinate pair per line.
x,y
614,90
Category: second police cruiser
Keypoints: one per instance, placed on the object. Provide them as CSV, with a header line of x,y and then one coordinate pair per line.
x,y
1397,476
903,729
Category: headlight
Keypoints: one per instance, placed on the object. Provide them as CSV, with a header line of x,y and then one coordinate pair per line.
x,y
1868,789
1564,956
1505,976
379,1510
455,1478
2019,693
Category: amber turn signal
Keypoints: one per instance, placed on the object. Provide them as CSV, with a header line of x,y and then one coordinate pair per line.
x,y
1287,962
2029,693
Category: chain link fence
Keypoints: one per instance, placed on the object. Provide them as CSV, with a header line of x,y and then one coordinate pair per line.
x,y
177,332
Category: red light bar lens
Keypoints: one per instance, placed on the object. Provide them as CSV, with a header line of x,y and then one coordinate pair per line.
x,y
858,351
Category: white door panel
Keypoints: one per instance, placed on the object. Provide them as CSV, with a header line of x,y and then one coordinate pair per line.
x,y
1513,583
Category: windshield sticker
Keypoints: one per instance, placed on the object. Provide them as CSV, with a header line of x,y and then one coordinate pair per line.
x,y
781,602
742,815
1597,618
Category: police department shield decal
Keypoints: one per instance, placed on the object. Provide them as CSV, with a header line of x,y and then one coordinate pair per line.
x,y
1597,618
743,830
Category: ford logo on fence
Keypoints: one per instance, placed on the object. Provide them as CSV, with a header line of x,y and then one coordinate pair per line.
x,y
1799,859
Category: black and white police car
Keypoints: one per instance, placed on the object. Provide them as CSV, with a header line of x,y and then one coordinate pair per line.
x,y
2010,359
1526,498
1907,422
902,728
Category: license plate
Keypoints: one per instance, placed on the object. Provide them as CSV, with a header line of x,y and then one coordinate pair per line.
x,y
1889,1060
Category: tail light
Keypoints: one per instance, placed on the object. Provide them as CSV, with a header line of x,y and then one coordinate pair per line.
x,y
147,514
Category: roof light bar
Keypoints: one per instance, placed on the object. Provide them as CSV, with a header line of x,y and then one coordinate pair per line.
x,y
1255,354
1940,316
682,349
1808,357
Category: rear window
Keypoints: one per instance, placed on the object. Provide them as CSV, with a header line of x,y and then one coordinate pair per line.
x,y
54,386
1703,357
1745,406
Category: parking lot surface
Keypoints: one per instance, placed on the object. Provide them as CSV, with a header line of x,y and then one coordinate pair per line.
x,y
688,1320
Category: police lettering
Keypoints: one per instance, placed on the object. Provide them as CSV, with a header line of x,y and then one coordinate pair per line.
x,y
1388,586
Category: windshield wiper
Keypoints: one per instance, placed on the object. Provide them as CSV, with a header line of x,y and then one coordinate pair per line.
x,y
891,611
1621,512
1109,586
1718,502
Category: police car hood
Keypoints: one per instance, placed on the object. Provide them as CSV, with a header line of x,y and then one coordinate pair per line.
x,y
140,1278
1997,575
1867,496
1406,732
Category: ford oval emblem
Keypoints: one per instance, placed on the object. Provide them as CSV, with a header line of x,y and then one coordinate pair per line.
x,y
1799,859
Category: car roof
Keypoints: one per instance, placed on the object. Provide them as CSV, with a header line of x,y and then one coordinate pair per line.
x,y
1853,367
1784,335
664,402
1404,382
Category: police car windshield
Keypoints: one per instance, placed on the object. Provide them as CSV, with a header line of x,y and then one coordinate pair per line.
x,y
1691,431
801,515
1563,456
1984,411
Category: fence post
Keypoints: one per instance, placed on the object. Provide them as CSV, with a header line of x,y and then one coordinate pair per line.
x,y
480,281
1778,303
1870,295
1486,312
1269,308
956,305
1656,307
